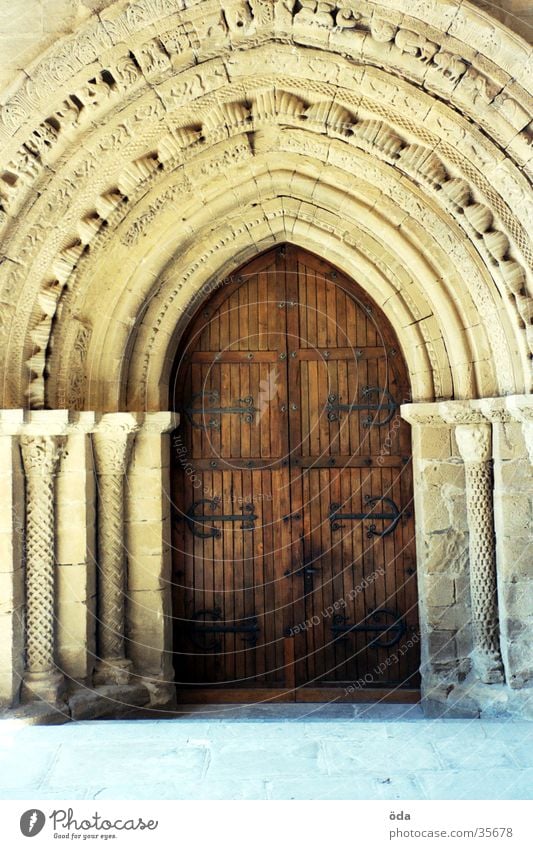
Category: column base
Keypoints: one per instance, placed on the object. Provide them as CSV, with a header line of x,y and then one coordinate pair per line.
x,y
162,693
488,667
47,686
113,670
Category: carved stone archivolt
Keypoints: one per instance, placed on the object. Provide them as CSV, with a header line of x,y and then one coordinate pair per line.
x,y
145,110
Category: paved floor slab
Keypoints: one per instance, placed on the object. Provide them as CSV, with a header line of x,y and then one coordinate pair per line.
x,y
270,752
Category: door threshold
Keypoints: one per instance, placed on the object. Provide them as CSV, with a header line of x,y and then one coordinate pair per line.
x,y
316,695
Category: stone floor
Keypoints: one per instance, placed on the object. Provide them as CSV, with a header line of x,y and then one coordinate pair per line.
x,y
270,752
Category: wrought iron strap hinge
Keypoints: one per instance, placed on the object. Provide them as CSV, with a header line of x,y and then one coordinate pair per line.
x,y
378,622
387,403
336,517
243,407
208,622
197,521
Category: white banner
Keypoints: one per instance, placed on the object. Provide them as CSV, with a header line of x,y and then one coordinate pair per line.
x,y
266,824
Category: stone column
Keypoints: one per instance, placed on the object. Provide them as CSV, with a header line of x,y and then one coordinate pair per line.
x,y
40,457
76,555
474,443
148,537
515,546
442,557
12,523
112,442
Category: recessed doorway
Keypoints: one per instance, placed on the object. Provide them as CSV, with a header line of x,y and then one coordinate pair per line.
x,y
294,571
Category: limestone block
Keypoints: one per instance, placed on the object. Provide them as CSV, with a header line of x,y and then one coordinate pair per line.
x,y
512,476
148,571
434,443
442,646
448,618
513,557
76,582
445,552
11,590
520,663
517,597
146,538
11,657
508,442
439,590
10,547
75,502
109,700
515,514
149,632
75,541
151,451
462,588
464,641
148,509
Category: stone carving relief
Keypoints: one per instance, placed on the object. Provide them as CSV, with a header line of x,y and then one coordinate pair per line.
x,y
156,56
415,45
141,224
77,374
376,136
239,19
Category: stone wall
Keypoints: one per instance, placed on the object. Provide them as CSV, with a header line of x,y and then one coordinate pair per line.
x,y
62,631
474,536
27,28
110,517
146,154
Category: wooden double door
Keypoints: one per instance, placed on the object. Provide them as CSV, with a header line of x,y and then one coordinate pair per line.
x,y
293,535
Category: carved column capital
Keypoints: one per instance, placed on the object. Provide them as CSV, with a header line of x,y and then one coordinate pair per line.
x,y
41,454
474,441
112,440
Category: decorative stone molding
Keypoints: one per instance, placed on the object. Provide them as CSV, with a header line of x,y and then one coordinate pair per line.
x,y
112,443
159,423
125,85
40,456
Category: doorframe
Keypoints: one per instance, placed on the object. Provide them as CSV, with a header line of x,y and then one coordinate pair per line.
x,y
217,693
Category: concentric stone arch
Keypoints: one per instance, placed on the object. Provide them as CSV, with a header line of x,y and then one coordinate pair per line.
x,y
176,98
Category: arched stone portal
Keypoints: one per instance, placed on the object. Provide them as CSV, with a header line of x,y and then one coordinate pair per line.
x,y
147,156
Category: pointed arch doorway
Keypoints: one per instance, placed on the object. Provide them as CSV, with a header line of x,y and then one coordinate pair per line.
x,y
293,534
